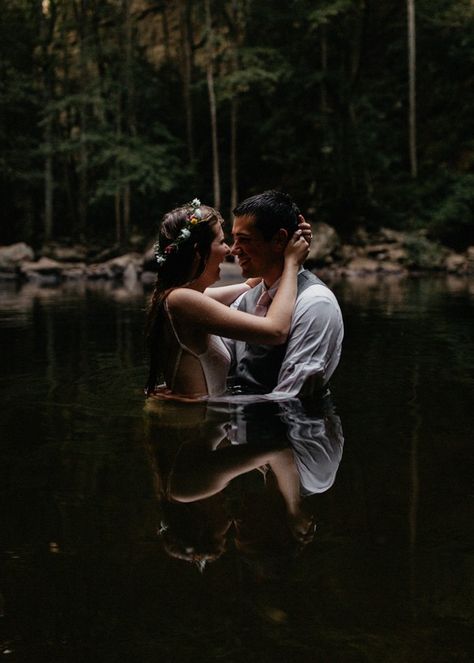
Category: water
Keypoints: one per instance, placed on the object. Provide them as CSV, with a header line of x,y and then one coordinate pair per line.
x,y
87,477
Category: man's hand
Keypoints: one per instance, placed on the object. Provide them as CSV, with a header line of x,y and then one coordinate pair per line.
x,y
305,228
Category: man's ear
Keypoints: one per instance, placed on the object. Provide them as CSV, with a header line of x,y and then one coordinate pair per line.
x,y
280,239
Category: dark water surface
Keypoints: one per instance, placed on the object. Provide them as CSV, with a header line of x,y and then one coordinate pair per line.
x,y
87,477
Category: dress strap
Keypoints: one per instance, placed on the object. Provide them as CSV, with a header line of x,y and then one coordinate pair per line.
x,y
181,345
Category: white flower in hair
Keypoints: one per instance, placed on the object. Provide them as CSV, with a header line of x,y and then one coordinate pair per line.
x,y
185,233
162,528
196,202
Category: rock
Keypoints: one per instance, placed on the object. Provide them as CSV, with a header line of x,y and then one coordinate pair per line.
x,y
122,262
43,270
391,236
348,252
362,266
360,236
324,244
44,266
119,265
470,256
115,268
75,253
397,254
98,256
456,263
389,267
379,251
130,276
99,271
148,278
75,273
11,256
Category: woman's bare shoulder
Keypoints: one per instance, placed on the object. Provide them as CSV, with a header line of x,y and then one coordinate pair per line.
x,y
181,298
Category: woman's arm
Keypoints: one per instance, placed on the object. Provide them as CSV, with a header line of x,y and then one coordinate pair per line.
x,y
226,294
192,307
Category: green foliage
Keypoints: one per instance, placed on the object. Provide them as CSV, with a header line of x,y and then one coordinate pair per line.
x,y
259,67
423,253
322,112
323,15
453,220
151,168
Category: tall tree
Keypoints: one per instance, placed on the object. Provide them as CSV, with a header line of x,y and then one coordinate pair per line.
x,y
186,37
412,87
210,40
238,17
48,22
81,12
129,92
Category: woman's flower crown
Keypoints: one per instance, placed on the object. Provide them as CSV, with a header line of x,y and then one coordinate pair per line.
x,y
194,217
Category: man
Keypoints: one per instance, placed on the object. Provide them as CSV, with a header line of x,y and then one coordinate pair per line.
x,y
262,227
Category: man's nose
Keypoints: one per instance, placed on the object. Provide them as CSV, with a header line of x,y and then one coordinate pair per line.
x,y
234,248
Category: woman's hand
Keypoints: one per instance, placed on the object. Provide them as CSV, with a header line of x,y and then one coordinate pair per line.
x,y
305,228
297,249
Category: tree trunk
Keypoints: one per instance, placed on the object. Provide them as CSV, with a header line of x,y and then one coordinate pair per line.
x,y
118,191
68,161
237,24
127,197
48,20
186,63
412,87
130,121
324,69
80,10
118,217
48,180
233,154
213,109
166,34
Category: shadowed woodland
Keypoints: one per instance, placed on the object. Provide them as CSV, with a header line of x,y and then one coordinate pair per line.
x,y
114,111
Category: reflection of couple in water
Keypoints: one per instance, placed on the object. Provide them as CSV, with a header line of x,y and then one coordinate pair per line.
x,y
278,335
202,457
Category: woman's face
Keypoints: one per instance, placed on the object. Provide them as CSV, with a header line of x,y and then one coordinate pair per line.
x,y
219,250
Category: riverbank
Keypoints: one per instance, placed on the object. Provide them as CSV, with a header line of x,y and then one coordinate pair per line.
x,y
385,252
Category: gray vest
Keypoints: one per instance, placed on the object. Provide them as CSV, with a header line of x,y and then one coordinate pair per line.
x,y
257,367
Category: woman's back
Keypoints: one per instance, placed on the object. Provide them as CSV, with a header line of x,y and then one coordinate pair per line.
x,y
195,364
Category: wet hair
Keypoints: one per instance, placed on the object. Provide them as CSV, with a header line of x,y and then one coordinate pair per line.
x,y
178,269
272,210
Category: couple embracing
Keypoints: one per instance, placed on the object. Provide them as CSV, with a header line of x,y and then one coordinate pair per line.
x,y
279,332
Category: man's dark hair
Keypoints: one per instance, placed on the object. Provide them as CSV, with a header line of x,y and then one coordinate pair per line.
x,y
272,210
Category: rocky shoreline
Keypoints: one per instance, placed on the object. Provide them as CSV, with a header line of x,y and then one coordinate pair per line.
x,y
385,252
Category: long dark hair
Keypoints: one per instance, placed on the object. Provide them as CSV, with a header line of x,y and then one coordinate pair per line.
x,y
178,269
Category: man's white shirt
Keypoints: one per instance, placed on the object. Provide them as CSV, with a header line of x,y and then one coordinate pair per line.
x,y
314,342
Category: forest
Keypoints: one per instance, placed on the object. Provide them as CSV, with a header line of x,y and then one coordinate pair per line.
x,y
113,111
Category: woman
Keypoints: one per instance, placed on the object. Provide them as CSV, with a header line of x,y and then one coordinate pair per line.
x,y
187,318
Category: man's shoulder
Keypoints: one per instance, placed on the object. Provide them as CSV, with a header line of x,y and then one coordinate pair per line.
x,y
317,295
313,287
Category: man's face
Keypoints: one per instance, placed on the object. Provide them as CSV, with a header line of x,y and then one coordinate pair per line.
x,y
256,255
